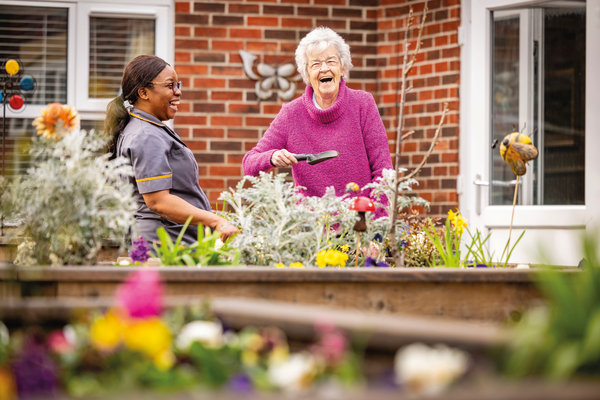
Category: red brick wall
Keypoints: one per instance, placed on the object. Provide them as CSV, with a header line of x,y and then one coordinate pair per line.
x,y
222,118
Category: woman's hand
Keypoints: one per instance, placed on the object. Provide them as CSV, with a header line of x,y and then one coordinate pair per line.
x,y
227,230
283,158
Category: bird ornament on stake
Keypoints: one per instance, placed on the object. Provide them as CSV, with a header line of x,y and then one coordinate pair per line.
x,y
516,149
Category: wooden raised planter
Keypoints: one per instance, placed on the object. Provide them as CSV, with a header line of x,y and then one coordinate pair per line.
x,y
477,294
384,337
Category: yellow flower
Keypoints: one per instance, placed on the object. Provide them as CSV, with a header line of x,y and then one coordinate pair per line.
x,y
296,265
451,216
249,357
152,337
344,248
280,265
457,221
164,360
106,332
56,121
331,257
279,354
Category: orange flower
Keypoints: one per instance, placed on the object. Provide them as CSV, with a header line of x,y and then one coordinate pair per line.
x,y
8,388
56,121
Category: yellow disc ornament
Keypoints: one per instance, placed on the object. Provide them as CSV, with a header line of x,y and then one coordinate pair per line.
x,y
12,67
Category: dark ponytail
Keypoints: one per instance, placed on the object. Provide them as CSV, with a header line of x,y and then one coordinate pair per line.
x,y
138,74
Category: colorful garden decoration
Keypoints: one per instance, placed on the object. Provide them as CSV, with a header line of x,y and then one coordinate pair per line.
x,y
516,149
361,205
12,88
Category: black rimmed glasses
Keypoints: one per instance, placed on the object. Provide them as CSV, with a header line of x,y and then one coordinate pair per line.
x,y
174,86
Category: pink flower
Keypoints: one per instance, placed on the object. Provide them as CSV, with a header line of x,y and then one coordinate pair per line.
x,y
332,344
141,294
58,342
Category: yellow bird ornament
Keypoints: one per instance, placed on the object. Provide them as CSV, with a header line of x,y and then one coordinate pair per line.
x,y
516,149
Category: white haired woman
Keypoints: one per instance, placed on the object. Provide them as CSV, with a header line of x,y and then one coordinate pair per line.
x,y
329,116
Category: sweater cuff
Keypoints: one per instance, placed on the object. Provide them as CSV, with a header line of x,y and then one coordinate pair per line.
x,y
271,152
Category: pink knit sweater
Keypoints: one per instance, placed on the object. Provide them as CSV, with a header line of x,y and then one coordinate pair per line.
x,y
352,126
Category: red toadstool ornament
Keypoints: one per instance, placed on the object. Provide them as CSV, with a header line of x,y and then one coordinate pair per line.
x,y
361,205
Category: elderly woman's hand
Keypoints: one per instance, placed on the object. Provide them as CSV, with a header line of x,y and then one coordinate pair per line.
x,y
227,230
283,158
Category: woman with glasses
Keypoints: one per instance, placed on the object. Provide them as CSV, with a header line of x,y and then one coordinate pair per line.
x,y
165,171
328,116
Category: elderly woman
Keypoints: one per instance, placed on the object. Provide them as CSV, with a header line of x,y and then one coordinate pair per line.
x,y
329,116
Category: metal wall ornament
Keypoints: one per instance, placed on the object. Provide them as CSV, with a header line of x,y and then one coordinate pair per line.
x,y
269,79
13,87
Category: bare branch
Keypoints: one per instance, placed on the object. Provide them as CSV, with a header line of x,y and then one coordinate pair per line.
x,y
406,68
421,28
431,147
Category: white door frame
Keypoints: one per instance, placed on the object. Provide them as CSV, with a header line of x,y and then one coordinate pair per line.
x,y
557,228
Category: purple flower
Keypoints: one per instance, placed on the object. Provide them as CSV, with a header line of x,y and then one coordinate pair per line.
x,y
240,383
372,262
140,251
403,243
35,372
472,264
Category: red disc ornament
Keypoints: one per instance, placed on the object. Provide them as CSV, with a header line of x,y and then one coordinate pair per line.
x,y
16,102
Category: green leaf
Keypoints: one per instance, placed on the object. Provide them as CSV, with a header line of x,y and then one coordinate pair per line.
x,y
188,260
564,361
215,364
591,338
182,232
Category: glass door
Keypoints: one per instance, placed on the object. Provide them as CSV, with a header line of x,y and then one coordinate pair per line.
x,y
527,69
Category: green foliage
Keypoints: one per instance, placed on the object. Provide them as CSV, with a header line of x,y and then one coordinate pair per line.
x,y
448,245
478,253
509,250
280,225
71,200
417,249
208,250
563,339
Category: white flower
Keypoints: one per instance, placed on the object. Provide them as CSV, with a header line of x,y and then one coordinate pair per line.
x,y
294,374
208,333
425,370
4,336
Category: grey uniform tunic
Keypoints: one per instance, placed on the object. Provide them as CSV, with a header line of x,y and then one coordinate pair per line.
x,y
160,161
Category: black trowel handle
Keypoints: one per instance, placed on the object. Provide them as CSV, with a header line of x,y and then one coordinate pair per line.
x,y
301,157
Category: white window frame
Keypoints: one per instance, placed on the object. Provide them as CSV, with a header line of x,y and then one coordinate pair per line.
x,y
34,110
79,12
86,10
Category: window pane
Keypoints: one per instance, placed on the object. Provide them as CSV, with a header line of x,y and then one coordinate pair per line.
x,y
37,37
540,88
113,43
505,102
564,107
18,142
16,145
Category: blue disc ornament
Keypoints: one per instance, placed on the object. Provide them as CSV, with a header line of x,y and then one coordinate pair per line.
x,y
27,83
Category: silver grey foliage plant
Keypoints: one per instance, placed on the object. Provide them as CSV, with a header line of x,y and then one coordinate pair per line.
x,y
70,201
280,224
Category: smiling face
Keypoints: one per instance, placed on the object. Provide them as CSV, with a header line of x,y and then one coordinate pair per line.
x,y
162,98
325,73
